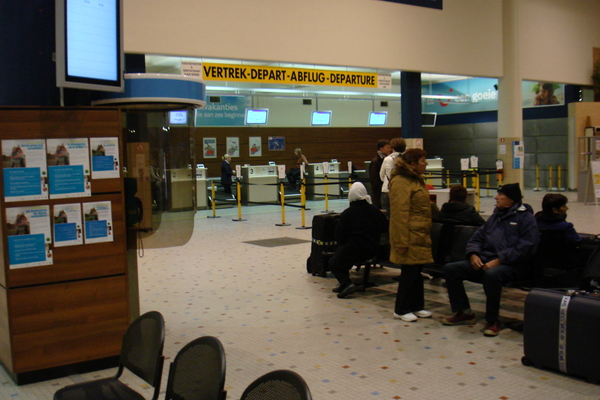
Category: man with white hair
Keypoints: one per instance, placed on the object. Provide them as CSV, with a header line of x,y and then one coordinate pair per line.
x,y
357,235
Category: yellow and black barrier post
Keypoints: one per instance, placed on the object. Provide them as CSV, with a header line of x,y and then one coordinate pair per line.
x,y
303,205
327,210
559,178
282,200
239,200
213,203
537,187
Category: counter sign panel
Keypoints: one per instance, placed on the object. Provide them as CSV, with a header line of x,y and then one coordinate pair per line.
x,y
292,76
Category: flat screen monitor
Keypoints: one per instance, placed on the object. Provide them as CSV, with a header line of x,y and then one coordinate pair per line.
x,y
257,116
428,119
178,117
89,44
377,118
320,118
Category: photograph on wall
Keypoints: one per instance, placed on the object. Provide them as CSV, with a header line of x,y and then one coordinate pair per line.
x,y
68,168
24,170
105,157
536,94
29,237
68,229
209,147
233,146
255,146
97,222
276,143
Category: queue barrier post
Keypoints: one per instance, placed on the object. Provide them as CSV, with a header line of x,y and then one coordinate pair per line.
x,y
464,179
447,178
239,201
282,200
477,188
213,205
303,204
487,185
551,186
559,178
327,196
537,187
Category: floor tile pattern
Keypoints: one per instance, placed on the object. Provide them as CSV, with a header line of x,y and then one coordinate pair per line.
x,y
271,314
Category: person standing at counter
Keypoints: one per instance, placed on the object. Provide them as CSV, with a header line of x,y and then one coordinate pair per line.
x,y
294,173
383,150
226,174
385,172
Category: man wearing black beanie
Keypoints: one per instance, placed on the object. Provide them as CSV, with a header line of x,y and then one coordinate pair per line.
x,y
500,251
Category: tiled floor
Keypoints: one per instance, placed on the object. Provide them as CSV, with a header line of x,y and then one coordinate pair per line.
x,y
270,314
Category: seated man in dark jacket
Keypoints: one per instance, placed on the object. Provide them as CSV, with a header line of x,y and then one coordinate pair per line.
x,y
357,234
500,251
554,216
457,211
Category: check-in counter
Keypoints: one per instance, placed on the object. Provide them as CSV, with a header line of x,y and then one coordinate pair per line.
x,y
182,189
259,184
435,166
316,179
201,188
443,196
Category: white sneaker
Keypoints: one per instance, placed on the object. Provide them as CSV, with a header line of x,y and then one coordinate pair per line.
x,y
410,317
423,314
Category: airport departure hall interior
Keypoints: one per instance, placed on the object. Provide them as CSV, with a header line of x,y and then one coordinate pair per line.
x,y
186,171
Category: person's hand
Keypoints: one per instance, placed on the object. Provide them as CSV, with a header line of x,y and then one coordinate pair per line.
x,y
476,262
491,264
401,250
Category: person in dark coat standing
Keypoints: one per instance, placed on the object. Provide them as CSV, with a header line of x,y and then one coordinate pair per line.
x,y
226,174
500,251
384,149
457,211
357,234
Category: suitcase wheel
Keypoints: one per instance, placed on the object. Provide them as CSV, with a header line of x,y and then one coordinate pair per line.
x,y
309,266
526,362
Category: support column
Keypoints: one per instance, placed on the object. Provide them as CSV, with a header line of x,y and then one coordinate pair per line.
x,y
510,110
410,86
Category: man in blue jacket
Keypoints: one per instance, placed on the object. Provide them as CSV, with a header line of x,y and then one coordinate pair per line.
x,y
500,251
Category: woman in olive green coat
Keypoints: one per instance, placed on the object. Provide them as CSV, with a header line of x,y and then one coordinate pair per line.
x,y
410,230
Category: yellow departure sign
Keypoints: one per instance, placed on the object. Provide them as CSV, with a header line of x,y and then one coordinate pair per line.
x,y
293,76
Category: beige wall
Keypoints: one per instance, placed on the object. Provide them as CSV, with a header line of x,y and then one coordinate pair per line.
x,y
557,37
463,39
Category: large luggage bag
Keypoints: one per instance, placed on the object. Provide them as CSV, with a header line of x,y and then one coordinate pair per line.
x,y
323,243
560,332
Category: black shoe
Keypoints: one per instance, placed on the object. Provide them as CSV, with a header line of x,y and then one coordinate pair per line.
x,y
347,291
338,288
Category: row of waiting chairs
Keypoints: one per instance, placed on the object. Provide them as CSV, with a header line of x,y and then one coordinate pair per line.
x,y
196,373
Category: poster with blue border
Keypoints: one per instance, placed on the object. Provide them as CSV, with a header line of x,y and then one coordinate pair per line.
x,y
105,157
29,237
24,170
68,167
97,222
68,230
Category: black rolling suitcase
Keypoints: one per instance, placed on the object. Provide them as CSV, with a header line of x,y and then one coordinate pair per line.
x,y
560,332
323,242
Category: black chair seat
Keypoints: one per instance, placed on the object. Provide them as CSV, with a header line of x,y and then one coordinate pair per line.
x,y
101,389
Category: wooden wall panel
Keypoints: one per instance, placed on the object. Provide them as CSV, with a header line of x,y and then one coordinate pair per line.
x,y
78,308
318,144
66,323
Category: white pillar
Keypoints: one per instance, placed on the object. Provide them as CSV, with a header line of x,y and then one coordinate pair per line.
x,y
510,110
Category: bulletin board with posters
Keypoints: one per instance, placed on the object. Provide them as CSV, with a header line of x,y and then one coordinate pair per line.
x,y
52,267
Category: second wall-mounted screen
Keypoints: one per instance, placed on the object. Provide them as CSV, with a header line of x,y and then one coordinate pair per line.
x,y
257,116
320,118
377,118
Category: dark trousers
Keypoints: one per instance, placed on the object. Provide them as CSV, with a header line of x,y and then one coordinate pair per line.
x,y
346,256
493,280
227,188
411,295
